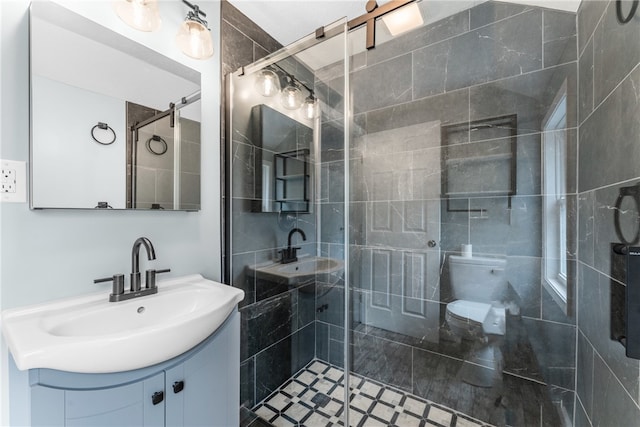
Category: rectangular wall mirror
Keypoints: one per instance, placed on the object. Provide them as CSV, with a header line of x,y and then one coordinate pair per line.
x,y
114,124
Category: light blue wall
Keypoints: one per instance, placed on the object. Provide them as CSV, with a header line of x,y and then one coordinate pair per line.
x,y
52,254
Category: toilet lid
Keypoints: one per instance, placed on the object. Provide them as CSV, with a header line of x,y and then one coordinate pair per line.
x,y
476,311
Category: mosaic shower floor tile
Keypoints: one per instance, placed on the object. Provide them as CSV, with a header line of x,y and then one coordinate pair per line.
x,y
313,397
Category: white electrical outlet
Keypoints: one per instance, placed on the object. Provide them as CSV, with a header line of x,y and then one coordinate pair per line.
x,y
13,185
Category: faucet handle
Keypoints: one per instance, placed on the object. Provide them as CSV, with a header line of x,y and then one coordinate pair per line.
x,y
150,277
118,283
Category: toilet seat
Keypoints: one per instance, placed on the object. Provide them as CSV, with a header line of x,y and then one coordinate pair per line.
x,y
469,310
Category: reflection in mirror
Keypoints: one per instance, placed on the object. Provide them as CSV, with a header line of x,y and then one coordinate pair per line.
x,y
283,178
114,125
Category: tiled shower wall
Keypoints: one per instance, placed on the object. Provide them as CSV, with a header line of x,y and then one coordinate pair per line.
x,y
493,60
277,323
609,148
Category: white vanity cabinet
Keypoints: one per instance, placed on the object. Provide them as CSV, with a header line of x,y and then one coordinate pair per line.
x,y
197,388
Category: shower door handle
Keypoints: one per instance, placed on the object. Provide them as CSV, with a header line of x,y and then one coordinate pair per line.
x,y
432,243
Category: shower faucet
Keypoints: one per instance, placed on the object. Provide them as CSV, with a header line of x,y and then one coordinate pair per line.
x,y
291,254
118,293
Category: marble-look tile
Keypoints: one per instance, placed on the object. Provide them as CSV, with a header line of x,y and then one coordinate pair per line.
x,y
243,170
278,362
554,346
589,15
606,261
507,48
530,96
240,279
265,323
584,372
332,141
586,227
492,11
594,319
332,222
582,420
372,88
330,298
237,48
421,37
559,37
247,383
448,108
240,21
585,89
382,360
607,137
552,311
523,274
613,405
322,341
616,53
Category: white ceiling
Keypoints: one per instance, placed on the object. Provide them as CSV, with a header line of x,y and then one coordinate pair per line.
x,y
288,21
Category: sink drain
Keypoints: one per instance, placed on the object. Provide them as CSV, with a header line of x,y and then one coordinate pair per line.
x,y
140,310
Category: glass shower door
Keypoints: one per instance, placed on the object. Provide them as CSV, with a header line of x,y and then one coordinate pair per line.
x,y
285,195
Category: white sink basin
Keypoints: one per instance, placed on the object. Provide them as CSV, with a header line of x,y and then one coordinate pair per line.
x,y
307,269
89,334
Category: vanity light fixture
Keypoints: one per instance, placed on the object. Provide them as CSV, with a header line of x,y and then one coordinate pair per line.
x,y
142,15
291,95
267,82
194,36
309,106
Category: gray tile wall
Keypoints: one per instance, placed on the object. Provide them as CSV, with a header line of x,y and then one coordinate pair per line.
x,y
493,60
608,389
277,324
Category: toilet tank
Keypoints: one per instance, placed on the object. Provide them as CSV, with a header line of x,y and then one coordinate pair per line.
x,y
478,278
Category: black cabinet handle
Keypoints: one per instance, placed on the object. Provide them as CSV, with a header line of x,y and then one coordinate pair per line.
x,y
178,386
157,397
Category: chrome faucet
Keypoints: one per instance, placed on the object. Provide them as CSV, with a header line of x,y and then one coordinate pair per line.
x,y
135,260
290,254
118,293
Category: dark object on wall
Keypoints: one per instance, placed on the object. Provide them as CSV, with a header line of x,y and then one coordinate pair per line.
x,y
492,152
626,19
282,170
634,193
103,126
103,205
163,145
631,329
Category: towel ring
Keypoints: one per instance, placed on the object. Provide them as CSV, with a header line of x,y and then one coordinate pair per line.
x,y
621,18
103,126
157,139
634,193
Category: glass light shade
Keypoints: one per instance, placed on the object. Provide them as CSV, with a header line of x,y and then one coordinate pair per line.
x,y
404,19
291,97
309,108
142,15
267,82
194,39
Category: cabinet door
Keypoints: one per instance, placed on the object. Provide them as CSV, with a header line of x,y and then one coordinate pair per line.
x,y
210,381
129,405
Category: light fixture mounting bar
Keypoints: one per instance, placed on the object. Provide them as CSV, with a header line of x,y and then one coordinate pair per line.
x,y
373,12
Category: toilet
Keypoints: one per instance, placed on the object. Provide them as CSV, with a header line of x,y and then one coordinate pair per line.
x,y
478,286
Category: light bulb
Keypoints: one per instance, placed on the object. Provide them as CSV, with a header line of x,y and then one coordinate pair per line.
x,y
291,97
404,19
309,107
194,39
142,15
267,82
